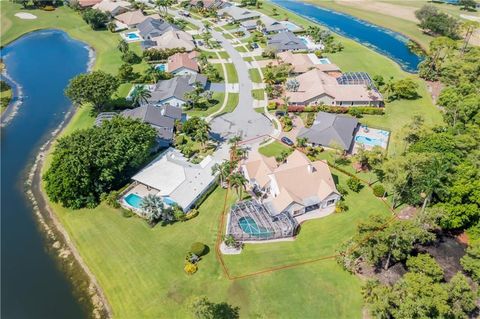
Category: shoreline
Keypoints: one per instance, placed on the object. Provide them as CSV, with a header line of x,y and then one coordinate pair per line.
x,y
85,286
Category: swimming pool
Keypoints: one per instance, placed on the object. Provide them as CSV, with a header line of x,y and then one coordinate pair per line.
x,y
167,200
161,67
368,141
291,26
132,36
324,61
249,226
133,200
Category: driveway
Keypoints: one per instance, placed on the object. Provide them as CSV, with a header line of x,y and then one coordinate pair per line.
x,y
243,121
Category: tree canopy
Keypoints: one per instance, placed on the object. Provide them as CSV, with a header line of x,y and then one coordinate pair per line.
x,y
97,160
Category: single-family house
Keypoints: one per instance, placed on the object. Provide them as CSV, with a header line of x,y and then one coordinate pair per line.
x,y
173,91
238,14
297,186
88,3
151,28
161,118
316,87
113,7
302,62
173,178
266,25
183,63
132,19
332,129
170,40
286,41
207,4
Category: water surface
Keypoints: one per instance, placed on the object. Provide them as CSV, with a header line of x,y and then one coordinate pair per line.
x,y
384,41
32,284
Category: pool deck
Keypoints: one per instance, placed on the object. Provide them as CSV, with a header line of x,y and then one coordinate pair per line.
x,y
372,133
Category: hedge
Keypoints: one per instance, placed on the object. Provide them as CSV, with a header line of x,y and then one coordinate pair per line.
x,y
336,109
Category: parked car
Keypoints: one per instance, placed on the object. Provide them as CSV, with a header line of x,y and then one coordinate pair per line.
x,y
254,45
279,113
287,141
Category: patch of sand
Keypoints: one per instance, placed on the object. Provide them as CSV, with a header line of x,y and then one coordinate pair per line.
x,y
398,11
25,16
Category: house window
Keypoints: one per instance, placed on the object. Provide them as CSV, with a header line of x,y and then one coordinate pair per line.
x,y
330,202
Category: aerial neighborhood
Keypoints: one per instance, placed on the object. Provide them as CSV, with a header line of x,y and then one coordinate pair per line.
x,y
259,147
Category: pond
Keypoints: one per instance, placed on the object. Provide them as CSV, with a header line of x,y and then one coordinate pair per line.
x,y
384,41
33,286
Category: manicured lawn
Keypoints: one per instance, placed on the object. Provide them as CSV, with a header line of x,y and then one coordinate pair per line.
x,y
259,109
231,26
210,55
248,59
217,96
255,75
258,94
228,35
223,54
232,102
241,49
219,68
273,149
232,76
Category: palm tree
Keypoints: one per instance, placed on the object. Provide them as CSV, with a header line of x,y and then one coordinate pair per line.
x,y
122,46
223,170
468,28
301,142
154,74
140,95
237,181
201,135
152,207
163,6
433,181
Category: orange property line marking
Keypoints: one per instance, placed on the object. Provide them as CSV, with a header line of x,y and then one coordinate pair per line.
x,y
218,242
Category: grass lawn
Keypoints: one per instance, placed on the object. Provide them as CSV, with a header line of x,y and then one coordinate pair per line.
x,y
5,98
259,109
273,149
231,26
241,49
255,75
228,36
209,55
258,94
232,76
223,54
219,68
232,102
248,59
217,96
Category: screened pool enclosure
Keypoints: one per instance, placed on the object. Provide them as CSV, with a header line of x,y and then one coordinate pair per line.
x,y
250,221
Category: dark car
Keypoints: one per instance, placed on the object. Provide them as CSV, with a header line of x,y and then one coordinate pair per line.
x,y
254,45
287,141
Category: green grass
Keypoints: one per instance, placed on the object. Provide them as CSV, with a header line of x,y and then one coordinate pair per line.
x,y
248,59
210,55
258,94
232,102
217,96
219,68
223,54
255,75
241,49
259,109
231,26
5,97
273,149
228,36
232,76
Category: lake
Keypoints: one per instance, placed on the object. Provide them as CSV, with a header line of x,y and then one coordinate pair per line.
x,y
384,41
33,285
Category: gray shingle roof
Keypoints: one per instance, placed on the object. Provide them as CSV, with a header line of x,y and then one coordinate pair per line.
x,y
331,128
154,28
285,41
176,87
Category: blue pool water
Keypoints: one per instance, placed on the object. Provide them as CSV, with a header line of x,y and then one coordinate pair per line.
x,y
368,141
134,200
161,67
324,61
169,201
305,41
249,226
133,36
384,41
290,26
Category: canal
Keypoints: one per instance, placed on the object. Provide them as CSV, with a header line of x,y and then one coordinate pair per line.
x,y
384,41
33,285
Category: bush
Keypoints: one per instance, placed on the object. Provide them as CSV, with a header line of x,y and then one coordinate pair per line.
x,y
355,112
341,207
272,106
342,190
190,268
111,199
198,248
378,190
127,213
48,8
191,214
354,184
131,57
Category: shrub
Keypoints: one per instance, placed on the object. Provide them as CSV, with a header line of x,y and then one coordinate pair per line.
x,y
127,213
272,106
342,190
111,199
192,258
354,184
190,268
355,112
378,190
198,248
296,108
318,53
191,214
131,57
49,8
341,207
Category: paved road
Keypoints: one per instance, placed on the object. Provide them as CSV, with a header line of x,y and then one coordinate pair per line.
x,y
243,120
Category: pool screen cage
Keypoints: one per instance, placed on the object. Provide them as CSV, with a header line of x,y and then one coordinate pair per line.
x,y
355,78
251,221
